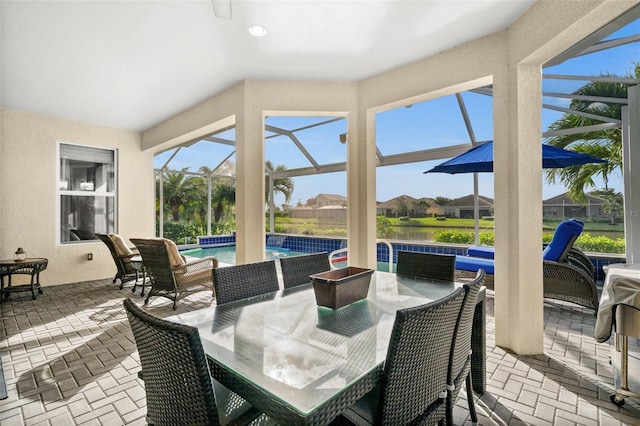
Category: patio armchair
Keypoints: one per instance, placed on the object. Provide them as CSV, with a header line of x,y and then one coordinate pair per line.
x,y
178,385
568,273
171,274
422,338
297,269
121,255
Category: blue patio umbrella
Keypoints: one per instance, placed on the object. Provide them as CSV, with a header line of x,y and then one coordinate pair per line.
x,y
480,159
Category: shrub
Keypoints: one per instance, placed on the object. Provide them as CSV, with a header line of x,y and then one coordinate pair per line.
x,y
384,228
600,244
308,229
585,242
177,231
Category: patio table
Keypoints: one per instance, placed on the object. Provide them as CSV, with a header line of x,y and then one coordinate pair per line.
x,y
29,266
304,364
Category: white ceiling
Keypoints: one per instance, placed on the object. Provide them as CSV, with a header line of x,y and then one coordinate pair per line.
x,y
132,64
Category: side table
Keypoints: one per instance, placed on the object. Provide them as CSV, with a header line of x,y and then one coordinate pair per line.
x,y
138,265
30,266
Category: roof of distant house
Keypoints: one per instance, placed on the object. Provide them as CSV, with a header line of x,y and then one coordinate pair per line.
x,y
333,197
393,203
565,199
467,201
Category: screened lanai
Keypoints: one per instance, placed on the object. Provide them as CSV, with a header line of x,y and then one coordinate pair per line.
x,y
309,146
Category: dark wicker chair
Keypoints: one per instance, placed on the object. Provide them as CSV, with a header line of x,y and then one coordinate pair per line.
x,y
296,269
569,283
171,276
242,281
176,376
460,360
125,270
426,265
413,385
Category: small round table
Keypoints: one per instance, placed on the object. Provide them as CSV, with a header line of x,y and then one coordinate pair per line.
x,y
138,265
30,266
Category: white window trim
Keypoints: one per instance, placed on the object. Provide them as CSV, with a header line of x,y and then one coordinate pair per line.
x,y
60,192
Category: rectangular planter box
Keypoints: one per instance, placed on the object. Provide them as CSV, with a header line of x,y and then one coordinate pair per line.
x,y
340,287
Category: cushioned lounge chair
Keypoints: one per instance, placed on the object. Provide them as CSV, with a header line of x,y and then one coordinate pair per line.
x,y
121,255
568,273
171,275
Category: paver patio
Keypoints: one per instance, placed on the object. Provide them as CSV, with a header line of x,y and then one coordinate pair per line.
x,y
69,358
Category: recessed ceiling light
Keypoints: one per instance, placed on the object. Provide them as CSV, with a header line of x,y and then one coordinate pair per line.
x,y
257,30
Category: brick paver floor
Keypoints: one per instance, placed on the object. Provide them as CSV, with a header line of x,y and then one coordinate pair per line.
x,y
69,358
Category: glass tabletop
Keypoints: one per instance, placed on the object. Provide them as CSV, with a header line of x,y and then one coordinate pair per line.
x,y
303,355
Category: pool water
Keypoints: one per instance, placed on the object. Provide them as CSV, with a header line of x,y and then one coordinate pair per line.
x,y
227,254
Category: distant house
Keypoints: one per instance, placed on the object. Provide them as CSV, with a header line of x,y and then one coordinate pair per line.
x,y
561,206
327,206
323,200
407,206
463,207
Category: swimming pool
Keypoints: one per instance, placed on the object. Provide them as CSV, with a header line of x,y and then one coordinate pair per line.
x,y
227,254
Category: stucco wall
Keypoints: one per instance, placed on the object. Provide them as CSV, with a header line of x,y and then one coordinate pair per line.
x,y
28,180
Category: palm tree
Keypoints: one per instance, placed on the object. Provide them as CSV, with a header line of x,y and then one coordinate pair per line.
x,y
282,185
605,144
176,192
223,196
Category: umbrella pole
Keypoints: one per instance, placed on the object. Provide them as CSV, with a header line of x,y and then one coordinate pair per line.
x,y
476,210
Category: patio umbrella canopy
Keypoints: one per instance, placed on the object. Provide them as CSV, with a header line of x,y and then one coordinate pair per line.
x,y
480,159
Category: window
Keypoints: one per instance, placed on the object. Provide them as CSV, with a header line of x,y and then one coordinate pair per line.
x,y
87,192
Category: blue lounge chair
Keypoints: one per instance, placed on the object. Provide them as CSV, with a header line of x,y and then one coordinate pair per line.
x,y
568,273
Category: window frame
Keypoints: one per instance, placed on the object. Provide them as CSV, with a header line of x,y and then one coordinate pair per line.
x,y
88,193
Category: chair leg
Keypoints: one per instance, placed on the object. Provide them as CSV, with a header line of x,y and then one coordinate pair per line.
x,y
470,401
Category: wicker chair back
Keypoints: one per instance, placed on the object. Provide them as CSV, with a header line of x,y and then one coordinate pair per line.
x,y
242,281
125,271
421,339
427,265
174,370
460,360
155,257
296,269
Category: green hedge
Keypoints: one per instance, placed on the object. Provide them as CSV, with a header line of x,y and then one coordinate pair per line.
x,y
463,237
177,231
585,242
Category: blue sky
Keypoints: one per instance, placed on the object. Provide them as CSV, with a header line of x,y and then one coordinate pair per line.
x,y
431,124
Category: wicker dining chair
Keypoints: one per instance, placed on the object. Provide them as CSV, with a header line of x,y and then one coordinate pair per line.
x,y
426,265
296,269
413,387
242,281
176,376
460,359
170,274
121,255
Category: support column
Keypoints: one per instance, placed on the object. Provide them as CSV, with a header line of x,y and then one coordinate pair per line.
x,y
361,190
250,218
518,210
630,158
